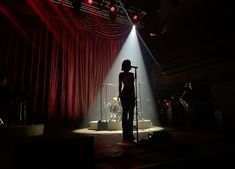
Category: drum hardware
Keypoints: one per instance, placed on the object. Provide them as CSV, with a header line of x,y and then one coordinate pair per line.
x,y
115,98
113,110
105,98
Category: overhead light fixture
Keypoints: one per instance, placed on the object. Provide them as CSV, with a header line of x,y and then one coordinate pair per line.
x,y
135,17
112,7
109,9
153,34
112,11
90,1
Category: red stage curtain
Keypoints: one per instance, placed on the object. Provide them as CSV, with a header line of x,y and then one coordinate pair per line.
x,y
59,60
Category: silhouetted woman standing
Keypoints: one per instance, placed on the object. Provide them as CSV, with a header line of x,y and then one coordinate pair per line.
x,y
127,96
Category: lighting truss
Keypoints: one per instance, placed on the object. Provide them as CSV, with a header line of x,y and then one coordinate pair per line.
x,y
101,8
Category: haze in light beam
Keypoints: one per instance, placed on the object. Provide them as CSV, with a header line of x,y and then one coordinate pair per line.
x,y
146,104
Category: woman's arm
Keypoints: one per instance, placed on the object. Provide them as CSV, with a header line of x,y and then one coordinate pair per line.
x,y
120,85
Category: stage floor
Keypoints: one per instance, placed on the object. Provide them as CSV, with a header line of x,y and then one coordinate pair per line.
x,y
21,131
92,131
184,149
111,125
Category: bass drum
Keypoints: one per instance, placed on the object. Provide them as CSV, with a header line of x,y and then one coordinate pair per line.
x,y
114,110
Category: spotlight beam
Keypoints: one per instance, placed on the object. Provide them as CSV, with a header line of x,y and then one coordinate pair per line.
x,y
154,59
145,100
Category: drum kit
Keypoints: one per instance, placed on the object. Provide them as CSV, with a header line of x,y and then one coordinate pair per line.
x,y
113,108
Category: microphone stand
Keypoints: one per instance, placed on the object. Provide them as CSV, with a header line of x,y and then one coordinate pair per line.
x,y
101,103
136,107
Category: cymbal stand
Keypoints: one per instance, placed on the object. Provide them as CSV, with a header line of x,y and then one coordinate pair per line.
x,y
106,101
140,103
101,103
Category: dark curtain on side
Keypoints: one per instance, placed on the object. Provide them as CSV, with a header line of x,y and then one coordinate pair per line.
x,y
58,58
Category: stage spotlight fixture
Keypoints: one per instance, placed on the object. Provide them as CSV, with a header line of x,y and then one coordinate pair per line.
x,y
135,17
112,11
112,8
90,1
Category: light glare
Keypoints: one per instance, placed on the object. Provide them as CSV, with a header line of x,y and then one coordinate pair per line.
x,y
109,90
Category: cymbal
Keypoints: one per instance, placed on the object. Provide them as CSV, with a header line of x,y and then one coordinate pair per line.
x,y
115,98
110,84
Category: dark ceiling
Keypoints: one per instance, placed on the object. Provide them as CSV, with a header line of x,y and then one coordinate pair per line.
x,y
188,32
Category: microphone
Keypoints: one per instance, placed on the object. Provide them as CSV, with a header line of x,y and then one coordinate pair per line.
x,y
134,67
